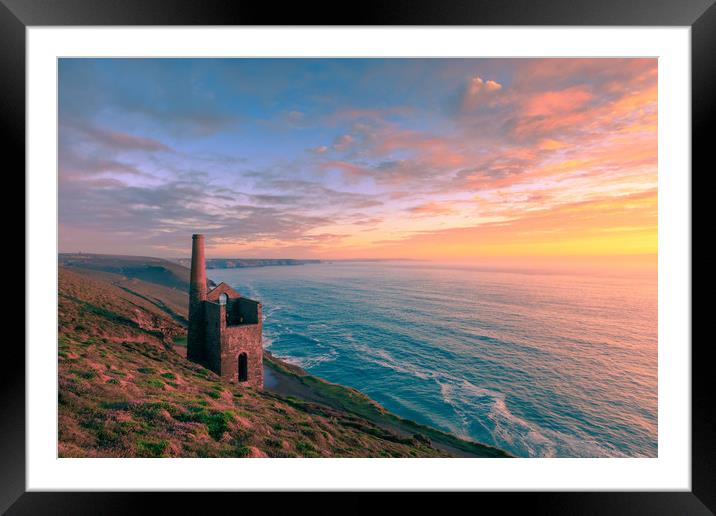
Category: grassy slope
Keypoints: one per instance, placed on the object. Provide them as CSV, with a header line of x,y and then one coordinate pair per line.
x,y
124,392
151,270
169,301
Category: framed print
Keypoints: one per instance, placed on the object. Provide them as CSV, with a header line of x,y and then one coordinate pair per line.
x,y
430,248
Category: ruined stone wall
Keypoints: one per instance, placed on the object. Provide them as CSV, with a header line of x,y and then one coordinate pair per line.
x,y
215,318
243,339
225,343
221,288
242,311
249,310
196,334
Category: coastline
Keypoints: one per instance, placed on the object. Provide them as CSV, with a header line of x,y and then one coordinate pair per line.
x,y
117,329
303,388
292,381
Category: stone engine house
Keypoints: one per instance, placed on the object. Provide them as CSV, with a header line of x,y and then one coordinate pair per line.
x,y
224,327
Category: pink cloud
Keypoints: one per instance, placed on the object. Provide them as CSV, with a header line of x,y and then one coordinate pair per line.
x,y
604,74
554,103
556,120
432,209
350,170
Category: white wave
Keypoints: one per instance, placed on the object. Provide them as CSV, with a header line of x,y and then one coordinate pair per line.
x,y
446,393
270,310
509,430
308,362
267,341
385,359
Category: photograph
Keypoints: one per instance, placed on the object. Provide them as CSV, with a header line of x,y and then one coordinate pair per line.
x,y
357,257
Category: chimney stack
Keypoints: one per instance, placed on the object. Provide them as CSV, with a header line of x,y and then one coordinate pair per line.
x,y
197,295
197,285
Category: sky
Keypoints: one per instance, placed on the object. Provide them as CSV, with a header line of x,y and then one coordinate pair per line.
x,y
446,159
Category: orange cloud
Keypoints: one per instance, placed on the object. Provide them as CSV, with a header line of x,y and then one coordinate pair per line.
x,y
555,103
549,144
432,209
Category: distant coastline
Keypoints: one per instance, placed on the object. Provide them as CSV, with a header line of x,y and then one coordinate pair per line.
x,y
128,264
237,263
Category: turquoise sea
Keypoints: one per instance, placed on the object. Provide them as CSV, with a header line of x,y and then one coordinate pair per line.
x,y
539,363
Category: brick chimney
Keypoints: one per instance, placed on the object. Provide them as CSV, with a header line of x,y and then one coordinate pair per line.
x,y
197,295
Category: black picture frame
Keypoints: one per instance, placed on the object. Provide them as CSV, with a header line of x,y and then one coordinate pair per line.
x,y
17,15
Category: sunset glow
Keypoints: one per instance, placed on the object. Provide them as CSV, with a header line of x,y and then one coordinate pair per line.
x,y
446,159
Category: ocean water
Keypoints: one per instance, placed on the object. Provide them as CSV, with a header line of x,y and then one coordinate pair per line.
x,y
540,364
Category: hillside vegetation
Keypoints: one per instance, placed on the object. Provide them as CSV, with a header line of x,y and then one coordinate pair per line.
x,y
124,392
156,271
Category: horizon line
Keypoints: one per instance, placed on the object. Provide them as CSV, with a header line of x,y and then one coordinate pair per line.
x,y
577,258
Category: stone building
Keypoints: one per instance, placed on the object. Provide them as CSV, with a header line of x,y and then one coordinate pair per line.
x,y
224,327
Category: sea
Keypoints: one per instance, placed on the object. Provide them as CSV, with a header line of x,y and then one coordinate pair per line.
x,y
540,363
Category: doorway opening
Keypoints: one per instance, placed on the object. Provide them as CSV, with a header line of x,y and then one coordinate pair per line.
x,y
243,367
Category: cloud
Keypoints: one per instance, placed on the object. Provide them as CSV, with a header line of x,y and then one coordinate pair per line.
x,y
167,212
556,103
295,116
477,91
121,141
390,155
83,165
309,194
343,142
608,75
550,145
556,99
351,154
433,209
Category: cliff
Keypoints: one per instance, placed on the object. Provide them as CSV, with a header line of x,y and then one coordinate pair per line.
x,y
125,390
